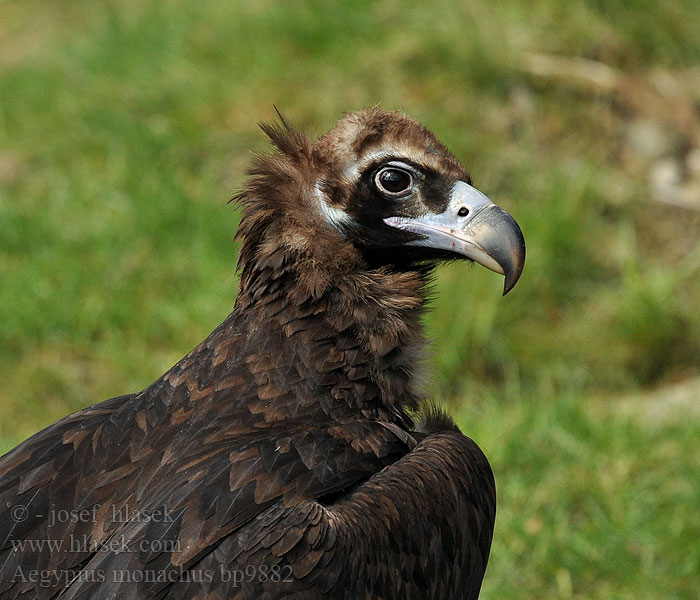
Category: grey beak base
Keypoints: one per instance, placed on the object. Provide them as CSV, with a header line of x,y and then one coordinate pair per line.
x,y
474,227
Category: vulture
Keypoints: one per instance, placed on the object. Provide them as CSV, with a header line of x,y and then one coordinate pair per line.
x,y
293,453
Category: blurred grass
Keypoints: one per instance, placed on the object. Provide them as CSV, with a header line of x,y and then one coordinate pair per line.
x,y
125,126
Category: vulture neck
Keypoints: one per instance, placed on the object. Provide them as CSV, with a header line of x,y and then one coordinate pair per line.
x,y
353,332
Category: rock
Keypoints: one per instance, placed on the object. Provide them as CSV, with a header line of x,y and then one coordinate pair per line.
x,y
652,140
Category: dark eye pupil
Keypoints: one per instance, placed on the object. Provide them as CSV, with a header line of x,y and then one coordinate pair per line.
x,y
394,180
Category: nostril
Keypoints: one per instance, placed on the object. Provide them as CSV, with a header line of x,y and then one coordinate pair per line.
x,y
463,212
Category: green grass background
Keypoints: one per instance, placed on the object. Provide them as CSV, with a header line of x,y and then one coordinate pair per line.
x,y
126,126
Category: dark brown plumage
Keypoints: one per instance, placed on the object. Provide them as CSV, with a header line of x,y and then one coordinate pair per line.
x,y
279,459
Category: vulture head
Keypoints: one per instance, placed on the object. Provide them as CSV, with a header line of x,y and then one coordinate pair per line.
x,y
376,191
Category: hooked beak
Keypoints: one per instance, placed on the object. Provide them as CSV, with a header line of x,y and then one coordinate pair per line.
x,y
474,227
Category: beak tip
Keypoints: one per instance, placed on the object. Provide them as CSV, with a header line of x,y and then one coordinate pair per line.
x,y
508,285
514,270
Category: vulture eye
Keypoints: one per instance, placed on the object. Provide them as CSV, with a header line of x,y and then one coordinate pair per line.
x,y
393,181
